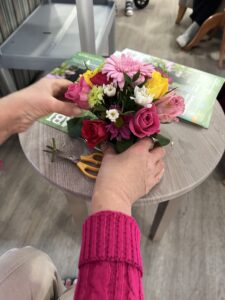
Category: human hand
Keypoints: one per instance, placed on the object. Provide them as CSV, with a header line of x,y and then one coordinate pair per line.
x,y
124,178
22,108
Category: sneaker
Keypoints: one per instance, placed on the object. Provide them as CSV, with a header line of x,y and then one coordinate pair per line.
x,y
182,40
129,8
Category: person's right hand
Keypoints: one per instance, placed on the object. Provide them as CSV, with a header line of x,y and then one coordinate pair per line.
x,y
124,178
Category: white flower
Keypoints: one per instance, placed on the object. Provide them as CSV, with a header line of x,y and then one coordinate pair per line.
x,y
142,97
109,90
112,114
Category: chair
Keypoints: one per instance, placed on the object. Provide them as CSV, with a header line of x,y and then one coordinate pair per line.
x,y
183,5
215,21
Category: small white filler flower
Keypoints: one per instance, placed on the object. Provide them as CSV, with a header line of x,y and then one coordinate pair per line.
x,y
142,97
112,114
109,90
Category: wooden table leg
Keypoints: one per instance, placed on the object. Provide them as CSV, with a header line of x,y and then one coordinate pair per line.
x,y
164,214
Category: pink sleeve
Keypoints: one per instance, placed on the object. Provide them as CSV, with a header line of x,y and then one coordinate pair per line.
x,y
110,265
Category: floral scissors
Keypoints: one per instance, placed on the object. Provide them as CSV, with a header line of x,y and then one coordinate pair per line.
x,y
82,162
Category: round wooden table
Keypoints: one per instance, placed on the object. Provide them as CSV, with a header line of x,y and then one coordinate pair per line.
x,y
191,157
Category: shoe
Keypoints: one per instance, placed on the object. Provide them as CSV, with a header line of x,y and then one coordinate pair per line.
x,y
188,35
129,8
182,40
215,55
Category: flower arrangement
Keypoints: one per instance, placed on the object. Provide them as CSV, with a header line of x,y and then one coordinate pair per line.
x,y
126,100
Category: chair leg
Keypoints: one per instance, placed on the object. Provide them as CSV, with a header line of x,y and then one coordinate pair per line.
x,y
209,24
222,51
181,11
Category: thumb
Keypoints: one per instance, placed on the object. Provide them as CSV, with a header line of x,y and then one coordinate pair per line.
x,y
65,108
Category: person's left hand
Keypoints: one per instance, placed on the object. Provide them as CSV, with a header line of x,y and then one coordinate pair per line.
x,y
40,99
19,110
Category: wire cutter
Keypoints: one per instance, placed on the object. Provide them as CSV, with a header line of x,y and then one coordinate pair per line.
x,y
82,162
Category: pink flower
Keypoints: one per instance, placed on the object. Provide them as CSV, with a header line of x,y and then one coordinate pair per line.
x,y
99,79
115,67
169,107
119,133
145,122
78,93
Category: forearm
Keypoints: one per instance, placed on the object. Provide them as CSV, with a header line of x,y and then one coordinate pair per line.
x,y
8,118
105,199
13,114
110,265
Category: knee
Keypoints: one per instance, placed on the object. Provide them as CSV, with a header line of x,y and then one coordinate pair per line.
x,y
30,269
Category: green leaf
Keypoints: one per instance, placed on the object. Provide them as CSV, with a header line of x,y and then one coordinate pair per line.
x,y
89,114
100,107
74,126
123,145
119,122
128,112
136,76
160,140
128,80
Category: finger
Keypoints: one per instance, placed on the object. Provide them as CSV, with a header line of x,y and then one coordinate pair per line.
x,y
68,109
59,86
143,144
157,154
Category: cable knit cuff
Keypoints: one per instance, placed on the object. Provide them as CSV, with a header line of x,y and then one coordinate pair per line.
x,y
111,236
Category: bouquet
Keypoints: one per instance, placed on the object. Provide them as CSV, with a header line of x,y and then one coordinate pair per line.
x,y
124,100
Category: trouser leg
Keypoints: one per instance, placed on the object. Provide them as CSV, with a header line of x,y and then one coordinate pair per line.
x,y
202,9
29,274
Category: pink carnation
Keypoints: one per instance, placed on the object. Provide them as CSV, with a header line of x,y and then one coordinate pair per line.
x,y
145,122
169,107
78,93
116,66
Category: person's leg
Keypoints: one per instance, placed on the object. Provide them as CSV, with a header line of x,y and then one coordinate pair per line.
x,y
129,8
187,36
202,9
29,274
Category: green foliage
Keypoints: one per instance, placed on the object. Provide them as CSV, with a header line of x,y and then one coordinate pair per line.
x,y
123,145
100,111
127,79
160,140
119,122
136,76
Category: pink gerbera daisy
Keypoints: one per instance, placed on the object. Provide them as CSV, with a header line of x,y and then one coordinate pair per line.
x,y
116,66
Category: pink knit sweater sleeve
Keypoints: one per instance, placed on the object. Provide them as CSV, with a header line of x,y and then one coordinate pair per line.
x,y
110,265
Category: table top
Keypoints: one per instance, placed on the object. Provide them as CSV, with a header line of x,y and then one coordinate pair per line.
x,y
191,157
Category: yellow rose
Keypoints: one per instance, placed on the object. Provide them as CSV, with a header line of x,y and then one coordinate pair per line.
x,y
157,86
89,74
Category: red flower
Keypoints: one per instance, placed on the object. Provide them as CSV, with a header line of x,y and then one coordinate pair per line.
x,y
99,79
94,131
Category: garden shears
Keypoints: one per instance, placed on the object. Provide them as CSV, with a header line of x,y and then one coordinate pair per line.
x,y
88,164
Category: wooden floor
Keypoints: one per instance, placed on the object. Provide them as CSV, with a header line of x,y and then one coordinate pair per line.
x,y
189,262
